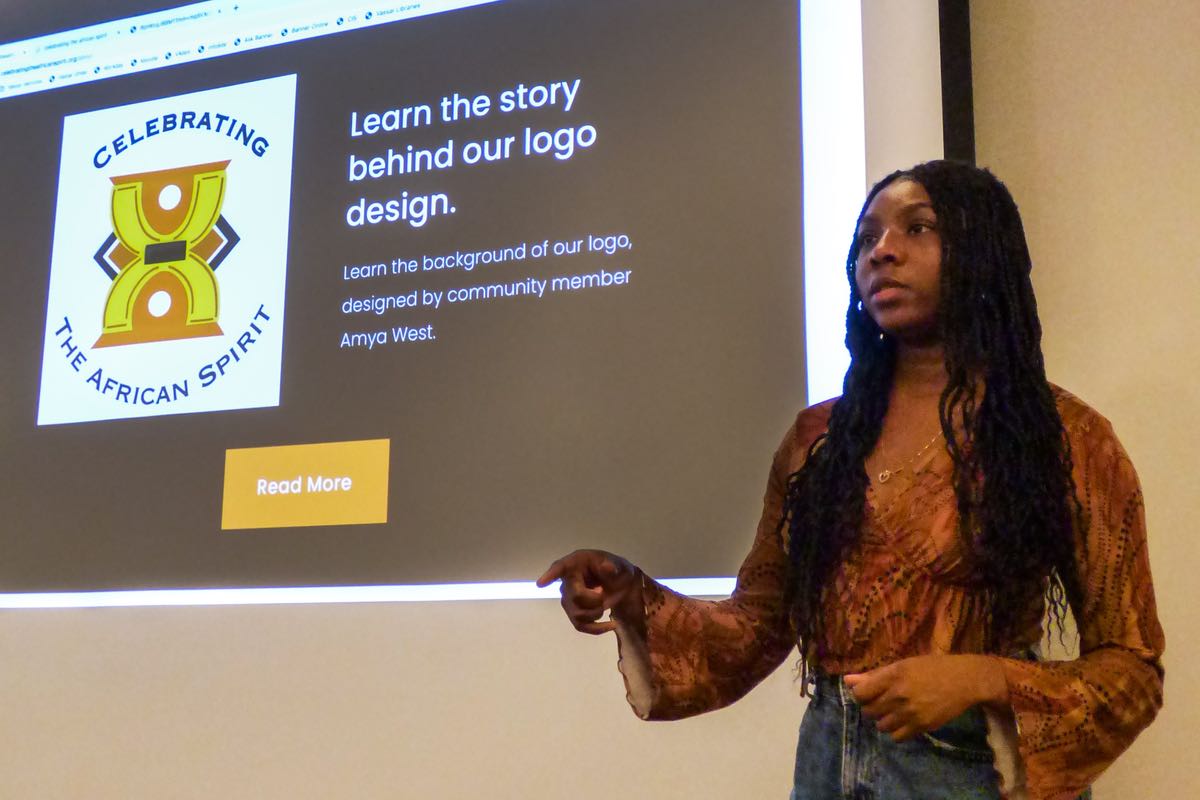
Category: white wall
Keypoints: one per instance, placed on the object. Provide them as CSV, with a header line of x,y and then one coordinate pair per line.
x,y
461,700
1089,112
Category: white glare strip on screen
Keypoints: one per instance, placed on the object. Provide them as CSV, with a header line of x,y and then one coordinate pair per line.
x,y
834,166
194,32
696,587
833,133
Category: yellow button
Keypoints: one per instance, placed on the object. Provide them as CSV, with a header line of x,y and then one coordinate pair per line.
x,y
292,486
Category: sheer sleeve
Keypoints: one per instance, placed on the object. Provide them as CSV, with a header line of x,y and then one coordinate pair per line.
x,y
688,656
1075,717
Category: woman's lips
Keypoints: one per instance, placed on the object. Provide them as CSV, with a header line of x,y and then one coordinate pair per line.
x,y
886,290
887,294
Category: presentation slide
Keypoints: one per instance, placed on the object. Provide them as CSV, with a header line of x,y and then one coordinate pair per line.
x,y
426,293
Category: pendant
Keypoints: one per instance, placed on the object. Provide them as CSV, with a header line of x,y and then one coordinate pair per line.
x,y
885,476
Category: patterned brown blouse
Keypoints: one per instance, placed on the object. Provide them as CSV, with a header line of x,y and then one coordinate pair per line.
x,y
901,594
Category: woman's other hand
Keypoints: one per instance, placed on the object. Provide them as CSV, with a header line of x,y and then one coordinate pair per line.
x,y
593,582
920,694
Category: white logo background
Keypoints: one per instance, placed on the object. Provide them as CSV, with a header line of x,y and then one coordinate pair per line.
x,y
256,204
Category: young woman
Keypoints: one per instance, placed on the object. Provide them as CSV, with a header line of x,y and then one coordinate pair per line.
x,y
915,531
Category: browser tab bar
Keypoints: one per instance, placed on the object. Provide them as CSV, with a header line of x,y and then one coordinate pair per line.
x,y
190,33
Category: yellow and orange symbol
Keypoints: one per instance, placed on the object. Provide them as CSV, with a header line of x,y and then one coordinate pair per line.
x,y
168,239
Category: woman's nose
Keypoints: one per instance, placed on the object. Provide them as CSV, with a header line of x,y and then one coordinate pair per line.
x,y
886,247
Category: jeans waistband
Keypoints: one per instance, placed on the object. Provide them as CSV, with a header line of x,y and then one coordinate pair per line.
x,y
831,687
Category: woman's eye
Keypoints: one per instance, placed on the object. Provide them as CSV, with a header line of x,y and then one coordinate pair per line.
x,y
867,239
920,227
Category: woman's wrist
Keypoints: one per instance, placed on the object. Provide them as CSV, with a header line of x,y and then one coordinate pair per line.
x,y
990,685
631,606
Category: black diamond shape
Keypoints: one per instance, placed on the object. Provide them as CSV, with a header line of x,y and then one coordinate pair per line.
x,y
231,240
102,256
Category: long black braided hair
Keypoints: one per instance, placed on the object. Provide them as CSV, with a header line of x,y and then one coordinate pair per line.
x,y
1018,510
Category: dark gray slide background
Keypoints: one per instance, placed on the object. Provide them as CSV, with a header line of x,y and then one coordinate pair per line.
x,y
641,418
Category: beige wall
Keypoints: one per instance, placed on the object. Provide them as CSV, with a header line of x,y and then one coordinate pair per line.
x,y
1089,112
355,702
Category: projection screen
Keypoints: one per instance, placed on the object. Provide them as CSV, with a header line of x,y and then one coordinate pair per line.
x,y
406,300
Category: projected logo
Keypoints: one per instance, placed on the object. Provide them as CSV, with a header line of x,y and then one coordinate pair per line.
x,y
147,192
169,238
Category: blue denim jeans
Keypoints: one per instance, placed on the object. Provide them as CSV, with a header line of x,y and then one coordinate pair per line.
x,y
843,756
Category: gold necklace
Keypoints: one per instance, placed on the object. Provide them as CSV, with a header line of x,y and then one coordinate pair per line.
x,y
886,474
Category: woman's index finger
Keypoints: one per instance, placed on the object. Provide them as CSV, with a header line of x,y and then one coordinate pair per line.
x,y
866,686
552,573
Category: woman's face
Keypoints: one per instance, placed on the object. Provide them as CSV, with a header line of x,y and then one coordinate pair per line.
x,y
899,266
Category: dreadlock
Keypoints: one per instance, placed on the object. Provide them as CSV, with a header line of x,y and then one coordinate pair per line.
x,y
1017,506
